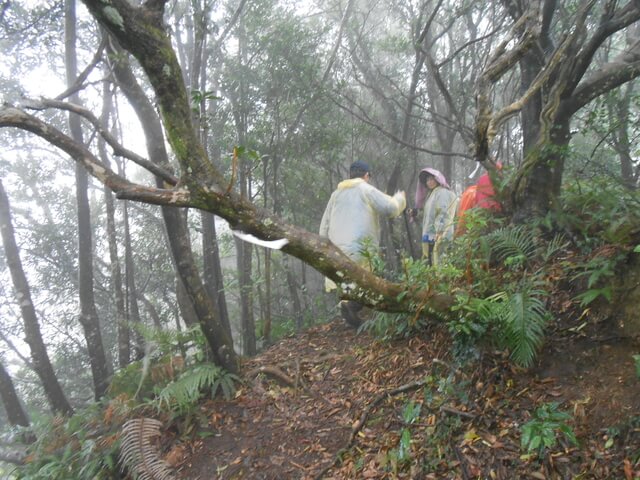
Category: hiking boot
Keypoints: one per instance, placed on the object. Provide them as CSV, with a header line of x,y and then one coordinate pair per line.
x,y
349,311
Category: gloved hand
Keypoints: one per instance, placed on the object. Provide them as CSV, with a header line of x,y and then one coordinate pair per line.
x,y
427,239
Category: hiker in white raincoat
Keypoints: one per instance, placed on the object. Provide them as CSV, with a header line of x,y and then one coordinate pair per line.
x,y
352,219
438,220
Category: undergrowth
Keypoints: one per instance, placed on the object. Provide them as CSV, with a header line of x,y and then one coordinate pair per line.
x,y
161,391
503,276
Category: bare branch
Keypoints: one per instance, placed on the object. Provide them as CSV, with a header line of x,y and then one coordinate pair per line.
x,y
13,117
118,149
395,138
622,69
78,84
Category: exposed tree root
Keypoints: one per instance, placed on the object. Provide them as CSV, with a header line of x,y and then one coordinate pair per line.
x,y
273,372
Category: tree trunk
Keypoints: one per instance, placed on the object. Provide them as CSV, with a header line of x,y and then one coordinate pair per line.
x,y
41,363
185,304
266,315
123,331
538,181
244,250
153,312
212,272
217,335
15,413
295,298
619,111
88,313
133,312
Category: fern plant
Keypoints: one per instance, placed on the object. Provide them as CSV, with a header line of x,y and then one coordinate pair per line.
x,y
139,454
522,316
182,395
513,245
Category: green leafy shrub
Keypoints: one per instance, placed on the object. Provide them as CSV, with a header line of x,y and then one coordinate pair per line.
x,y
522,316
541,432
513,320
600,210
597,270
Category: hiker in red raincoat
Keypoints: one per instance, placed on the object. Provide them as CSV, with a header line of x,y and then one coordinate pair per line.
x,y
481,195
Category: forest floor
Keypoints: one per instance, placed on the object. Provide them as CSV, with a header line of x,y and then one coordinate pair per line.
x,y
336,404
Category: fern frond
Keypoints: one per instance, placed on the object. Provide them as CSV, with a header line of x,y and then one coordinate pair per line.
x,y
514,241
139,454
556,244
525,319
182,394
523,316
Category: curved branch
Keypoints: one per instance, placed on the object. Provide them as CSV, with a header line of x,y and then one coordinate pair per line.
x,y
14,117
314,250
118,149
609,24
395,138
622,69
78,84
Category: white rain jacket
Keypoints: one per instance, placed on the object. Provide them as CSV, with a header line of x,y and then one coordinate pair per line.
x,y
439,214
353,215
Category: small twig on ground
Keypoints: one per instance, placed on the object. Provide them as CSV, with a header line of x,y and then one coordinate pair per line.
x,y
455,411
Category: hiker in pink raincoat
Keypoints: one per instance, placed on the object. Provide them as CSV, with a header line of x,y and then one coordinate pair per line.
x,y
438,219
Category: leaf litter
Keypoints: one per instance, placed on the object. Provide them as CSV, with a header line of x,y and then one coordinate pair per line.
x,y
328,403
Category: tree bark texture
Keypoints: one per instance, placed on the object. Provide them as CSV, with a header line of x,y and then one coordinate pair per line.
x,y
122,326
556,82
132,308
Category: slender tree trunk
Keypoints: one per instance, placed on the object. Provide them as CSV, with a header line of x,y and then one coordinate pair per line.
x,y
185,304
213,276
618,110
244,250
133,312
244,253
266,314
153,312
15,412
212,270
124,334
41,363
88,313
295,298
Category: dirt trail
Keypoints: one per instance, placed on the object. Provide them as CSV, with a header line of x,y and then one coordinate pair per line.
x,y
327,389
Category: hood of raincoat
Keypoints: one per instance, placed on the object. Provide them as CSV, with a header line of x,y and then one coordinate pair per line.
x,y
422,190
